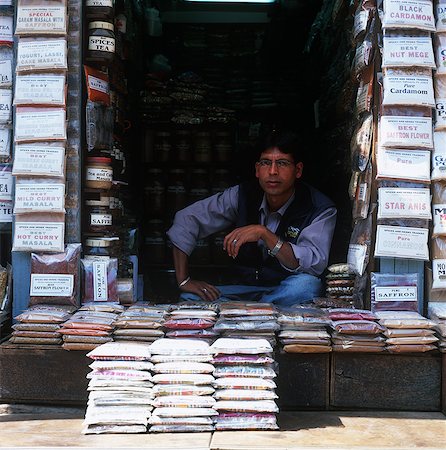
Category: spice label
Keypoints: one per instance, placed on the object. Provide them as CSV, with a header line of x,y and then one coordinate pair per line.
x,y
402,131
36,159
40,19
439,218
363,99
440,116
440,53
94,174
6,26
101,44
402,242
362,194
409,14
441,17
438,166
101,220
408,90
100,287
98,84
39,197
39,236
404,203
356,257
360,23
439,274
5,184
403,164
5,142
5,106
408,51
100,3
47,124
5,73
40,90
396,294
51,285
6,212
42,54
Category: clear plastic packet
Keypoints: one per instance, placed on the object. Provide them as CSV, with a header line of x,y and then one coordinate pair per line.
x,y
242,359
440,47
188,305
414,348
394,292
155,420
99,280
359,247
98,87
441,16
47,17
414,332
50,314
181,428
353,185
184,412
403,319
35,327
133,415
99,125
34,124
419,14
439,209
116,364
124,351
364,95
267,406
244,394
40,54
6,25
182,389
358,348
114,429
139,332
192,314
5,106
357,327
6,183
408,86
412,340
438,248
126,323
180,347
37,334
245,309
363,15
55,277
39,195
304,335
81,339
6,56
349,314
121,374
437,311
189,324
194,334
183,367
35,341
361,202
247,325
103,307
361,143
244,383
84,332
241,346
184,401
42,159
181,358
363,56
195,379
244,371
40,90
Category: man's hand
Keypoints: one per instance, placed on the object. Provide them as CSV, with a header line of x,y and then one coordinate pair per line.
x,y
236,238
204,290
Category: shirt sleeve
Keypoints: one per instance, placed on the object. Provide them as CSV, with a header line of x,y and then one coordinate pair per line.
x,y
312,247
203,218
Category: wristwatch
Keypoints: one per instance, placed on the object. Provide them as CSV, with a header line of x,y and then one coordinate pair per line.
x,y
276,249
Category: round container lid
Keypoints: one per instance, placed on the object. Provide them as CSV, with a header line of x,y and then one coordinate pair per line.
x,y
97,243
99,160
102,25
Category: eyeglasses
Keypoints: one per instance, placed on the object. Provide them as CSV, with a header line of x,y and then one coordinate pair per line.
x,y
280,163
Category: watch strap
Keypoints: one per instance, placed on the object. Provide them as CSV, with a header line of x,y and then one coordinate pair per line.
x,y
276,248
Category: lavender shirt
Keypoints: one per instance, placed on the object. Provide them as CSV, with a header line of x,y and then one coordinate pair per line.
x,y
218,212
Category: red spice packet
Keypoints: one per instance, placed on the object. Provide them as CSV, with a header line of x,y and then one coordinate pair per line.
x,y
98,86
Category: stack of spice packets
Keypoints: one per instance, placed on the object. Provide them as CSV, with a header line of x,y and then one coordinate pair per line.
x,y
244,384
304,330
140,322
247,321
192,320
120,389
408,331
340,283
40,325
183,386
91,326
437,313
356,331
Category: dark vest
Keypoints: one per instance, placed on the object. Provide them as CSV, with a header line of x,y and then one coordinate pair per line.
x,y
250,265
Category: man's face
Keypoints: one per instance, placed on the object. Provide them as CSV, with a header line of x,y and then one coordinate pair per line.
x,y
277,172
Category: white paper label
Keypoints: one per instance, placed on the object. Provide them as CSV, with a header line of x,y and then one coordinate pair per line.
x,y
362,98
5,186
39,197
401,242
101,44
94,174
403,164
6,25
48,124
41,19
440,114
5,106
6,212
408,51
438,166
440,53
404,203
408,90
441,16
5,73
362,192
360,24
402,131
39,236
36,159
5,142
51,285
40,90
43,54
356,257
409,14
439,274
5,2
101,220
99,3
439,218
100,285
98,85
396,294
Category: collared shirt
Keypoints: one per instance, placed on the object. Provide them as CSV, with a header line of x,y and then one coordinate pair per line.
x,y
220,211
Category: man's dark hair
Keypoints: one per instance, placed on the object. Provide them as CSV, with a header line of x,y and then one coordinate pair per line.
x,y
286,141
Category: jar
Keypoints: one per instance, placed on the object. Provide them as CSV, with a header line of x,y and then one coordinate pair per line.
x,y
202,147
183,146
99,173
201,253
99,9
223,146
99,217
154,193
219,256
176,197
199,187
101,247
221,181
101,42
154,242
163,147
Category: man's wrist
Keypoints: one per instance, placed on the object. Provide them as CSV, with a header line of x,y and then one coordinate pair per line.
x,y
184,282
276,249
